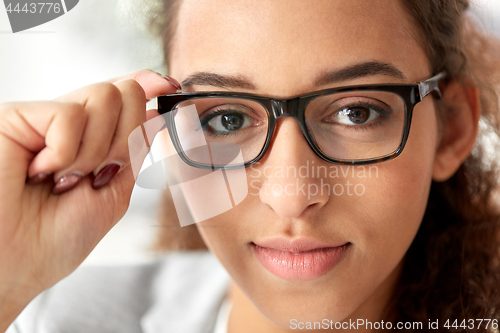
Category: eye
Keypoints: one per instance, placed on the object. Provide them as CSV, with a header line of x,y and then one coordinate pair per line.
x,y
229,122
356,115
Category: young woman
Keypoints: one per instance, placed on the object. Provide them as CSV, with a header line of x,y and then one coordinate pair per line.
x,y
401,86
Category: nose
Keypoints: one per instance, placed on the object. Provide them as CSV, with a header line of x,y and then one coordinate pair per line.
x,y
290,185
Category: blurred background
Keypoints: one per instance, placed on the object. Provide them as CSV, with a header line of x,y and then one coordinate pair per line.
x,y
95,41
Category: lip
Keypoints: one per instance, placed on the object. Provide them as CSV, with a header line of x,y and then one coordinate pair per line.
x,y
302,259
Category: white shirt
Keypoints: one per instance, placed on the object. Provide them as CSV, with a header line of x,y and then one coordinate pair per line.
x,y
181,292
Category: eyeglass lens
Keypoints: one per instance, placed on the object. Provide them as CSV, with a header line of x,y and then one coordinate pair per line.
x,y
352,125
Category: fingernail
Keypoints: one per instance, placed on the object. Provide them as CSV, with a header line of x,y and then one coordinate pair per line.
x,y
38,178
172,81
105,175
67,182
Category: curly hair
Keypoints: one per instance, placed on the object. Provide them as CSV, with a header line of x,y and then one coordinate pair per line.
x,y
452,269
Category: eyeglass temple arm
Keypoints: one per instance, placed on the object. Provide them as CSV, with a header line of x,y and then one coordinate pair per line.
x,y
430,85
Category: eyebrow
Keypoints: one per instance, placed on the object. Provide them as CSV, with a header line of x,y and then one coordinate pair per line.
x,y
370,68
217,80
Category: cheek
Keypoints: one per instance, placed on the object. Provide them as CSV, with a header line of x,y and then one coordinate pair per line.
x,y
395,202
381,224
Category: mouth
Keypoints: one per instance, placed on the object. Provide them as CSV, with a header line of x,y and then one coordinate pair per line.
x,y
299,260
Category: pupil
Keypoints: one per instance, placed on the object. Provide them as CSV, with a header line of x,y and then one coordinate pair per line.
x,y
359,115
232,121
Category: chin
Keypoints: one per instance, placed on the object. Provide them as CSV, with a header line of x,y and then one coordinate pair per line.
x,y
310,310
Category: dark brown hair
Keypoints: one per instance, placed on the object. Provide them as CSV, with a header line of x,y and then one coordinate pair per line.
x,y
452,269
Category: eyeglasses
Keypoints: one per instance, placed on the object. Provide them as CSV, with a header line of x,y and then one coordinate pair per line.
x,y
354,125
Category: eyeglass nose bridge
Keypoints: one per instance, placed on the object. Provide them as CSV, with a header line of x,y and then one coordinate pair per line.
x,y
285,108
291,108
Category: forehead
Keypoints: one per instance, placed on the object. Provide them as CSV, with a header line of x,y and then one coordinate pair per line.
x,y
284,44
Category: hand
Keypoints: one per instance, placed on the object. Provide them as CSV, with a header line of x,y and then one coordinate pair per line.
x,y
79,142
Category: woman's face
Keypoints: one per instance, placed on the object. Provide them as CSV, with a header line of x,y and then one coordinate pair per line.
x,y
281,48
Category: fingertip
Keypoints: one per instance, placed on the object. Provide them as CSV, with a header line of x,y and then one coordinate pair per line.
x,y
153,83
172,81
159,85
106,174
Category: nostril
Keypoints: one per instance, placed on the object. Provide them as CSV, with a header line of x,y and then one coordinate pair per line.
x,y
290,196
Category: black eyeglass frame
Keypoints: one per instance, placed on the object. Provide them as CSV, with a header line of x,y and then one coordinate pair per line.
x,y
295,107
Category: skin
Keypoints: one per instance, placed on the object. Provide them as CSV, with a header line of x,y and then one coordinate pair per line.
x,y
281,47
44,236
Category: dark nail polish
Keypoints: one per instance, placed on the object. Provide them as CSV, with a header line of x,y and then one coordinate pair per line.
x,y
172,81
38,178
105,175
67,182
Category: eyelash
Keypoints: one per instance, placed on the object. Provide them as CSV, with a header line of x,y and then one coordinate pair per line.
x,y
383,113
217,112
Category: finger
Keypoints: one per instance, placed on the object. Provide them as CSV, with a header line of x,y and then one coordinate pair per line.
x,y
102,102
154,84
119,188
132,115
51,130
